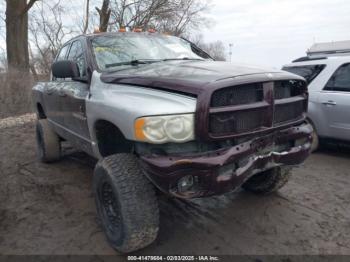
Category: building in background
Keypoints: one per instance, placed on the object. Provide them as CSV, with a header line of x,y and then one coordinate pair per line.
x,y
338,48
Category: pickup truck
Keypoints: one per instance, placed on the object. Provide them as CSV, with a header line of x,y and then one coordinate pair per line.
x,y
161,116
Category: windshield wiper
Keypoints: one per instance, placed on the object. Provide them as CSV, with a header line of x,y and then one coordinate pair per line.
x,y
133,62
183,58
149,61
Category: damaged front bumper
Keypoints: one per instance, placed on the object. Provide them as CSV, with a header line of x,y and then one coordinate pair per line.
x,y
224,170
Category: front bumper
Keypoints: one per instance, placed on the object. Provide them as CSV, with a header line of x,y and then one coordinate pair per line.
x,y
227,169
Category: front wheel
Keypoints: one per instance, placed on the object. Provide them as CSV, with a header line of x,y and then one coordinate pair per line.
x,y
268,181
126,203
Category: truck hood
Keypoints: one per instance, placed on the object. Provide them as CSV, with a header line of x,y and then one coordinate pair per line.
x,y
191,77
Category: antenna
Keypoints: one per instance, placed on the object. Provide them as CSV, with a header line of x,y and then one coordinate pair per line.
x,y
230,52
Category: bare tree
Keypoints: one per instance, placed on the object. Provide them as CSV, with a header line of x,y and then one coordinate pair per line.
x,y
3,62
48,33
17,34
104,13
2,21
32,63
185,15
215,49
136,14
172,16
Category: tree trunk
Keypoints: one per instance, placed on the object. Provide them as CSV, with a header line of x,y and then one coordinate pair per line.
x,y
17,35
105,14
86,20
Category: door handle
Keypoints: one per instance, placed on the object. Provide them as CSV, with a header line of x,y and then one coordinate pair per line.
x,y
49,91
329,103
62,93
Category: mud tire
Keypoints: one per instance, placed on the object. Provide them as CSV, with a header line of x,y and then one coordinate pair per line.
x,y
268,181
48,142
126,203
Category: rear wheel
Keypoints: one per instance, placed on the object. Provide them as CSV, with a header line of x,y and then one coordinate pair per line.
x,y
126,203
48,142
268,181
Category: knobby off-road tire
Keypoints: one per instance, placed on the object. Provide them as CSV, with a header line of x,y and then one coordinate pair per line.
x,y
48,142
268,181
126,203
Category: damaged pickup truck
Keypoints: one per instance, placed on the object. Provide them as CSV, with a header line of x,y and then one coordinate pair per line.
x,y
162,116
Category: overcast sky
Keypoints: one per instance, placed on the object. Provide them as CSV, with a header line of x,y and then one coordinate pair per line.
x,y
274,32
270,32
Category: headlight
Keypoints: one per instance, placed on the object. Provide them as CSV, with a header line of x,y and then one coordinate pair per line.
x,y
164,129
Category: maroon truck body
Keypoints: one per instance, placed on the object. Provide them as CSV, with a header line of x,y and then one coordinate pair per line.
x,y
270,109
224,170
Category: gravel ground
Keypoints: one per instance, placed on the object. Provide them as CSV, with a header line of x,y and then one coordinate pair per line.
x,y
49,209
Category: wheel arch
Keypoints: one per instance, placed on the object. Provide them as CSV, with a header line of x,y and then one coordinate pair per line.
x,y
110,139
40,111
308,119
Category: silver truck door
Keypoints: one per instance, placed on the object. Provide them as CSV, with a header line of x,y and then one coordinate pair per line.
x,y
335,104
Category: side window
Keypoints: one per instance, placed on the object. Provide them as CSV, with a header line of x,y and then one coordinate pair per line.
x,y
76,53
62,54
340,80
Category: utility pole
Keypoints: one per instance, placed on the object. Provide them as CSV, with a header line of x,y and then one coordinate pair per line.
x,y
230,52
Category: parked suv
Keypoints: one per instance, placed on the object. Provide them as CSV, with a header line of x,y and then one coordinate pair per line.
x,y
329,95
160,114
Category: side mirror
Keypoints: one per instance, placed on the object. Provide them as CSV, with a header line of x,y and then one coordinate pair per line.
x,y
65,69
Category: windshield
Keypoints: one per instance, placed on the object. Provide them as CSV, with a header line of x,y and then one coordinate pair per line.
x,y
309,72
120,49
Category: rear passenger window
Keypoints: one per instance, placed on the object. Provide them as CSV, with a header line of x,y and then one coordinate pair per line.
x,y
62,54
76,54
340,81
309,72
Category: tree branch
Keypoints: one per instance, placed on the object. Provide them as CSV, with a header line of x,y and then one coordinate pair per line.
x,y
28,6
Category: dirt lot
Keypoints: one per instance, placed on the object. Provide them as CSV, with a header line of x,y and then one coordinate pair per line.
x,y
49,209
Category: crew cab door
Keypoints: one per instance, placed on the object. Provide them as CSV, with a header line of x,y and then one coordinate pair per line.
x,y
52,99
335,103
73,96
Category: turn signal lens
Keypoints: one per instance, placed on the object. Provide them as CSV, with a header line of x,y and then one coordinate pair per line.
x,y
139,124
